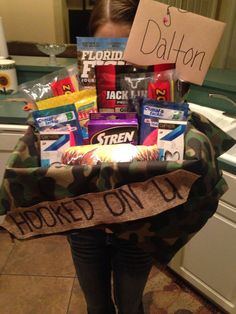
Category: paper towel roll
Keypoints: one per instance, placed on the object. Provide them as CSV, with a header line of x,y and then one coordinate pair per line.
x,y
3,44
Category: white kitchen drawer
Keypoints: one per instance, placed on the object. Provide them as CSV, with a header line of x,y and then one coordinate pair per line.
x,y
9,136
208,261
230,196
8,141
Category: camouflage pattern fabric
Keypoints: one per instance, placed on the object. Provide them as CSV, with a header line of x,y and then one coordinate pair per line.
x,y
25,183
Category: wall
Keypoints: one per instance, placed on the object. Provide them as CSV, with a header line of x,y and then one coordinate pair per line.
x,y
231,58
225,56
37,21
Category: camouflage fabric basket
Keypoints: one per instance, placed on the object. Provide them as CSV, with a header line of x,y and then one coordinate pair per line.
x,y
158,205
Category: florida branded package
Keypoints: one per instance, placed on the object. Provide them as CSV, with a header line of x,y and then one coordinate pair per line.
x,y
58,129
95,50
107,129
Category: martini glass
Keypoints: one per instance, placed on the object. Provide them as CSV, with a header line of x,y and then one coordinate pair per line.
x,y
52,50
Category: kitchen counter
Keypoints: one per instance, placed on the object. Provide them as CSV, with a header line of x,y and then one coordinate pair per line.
x,y
227,123
11,109
28,68
218,91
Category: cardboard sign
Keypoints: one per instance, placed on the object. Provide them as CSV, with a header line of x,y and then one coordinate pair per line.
x,y
163,34
126,203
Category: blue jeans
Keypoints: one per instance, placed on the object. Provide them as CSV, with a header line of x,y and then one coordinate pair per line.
x,y
96,256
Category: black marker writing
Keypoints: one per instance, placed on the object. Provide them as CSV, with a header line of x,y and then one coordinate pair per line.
x,y
128,202
174,49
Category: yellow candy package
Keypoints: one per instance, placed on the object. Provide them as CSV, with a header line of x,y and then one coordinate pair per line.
x,y
85,102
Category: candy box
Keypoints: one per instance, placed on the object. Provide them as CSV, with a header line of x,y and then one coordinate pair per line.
x,y
115,131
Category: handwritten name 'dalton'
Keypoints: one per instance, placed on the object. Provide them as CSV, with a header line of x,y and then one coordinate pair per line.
x,y
171,48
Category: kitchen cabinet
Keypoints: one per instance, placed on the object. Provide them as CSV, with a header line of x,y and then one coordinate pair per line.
x,y
208,260
218,91
29,68
9,135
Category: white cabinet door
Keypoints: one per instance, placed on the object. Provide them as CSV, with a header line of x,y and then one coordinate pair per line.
x,y
208,261
9,135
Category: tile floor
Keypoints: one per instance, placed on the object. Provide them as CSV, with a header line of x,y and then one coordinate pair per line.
x,y
37,276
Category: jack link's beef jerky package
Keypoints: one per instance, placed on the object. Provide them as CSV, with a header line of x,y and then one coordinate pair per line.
x,y
116,84
92,51
120,87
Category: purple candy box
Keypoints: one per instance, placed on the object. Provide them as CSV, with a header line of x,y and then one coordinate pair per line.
x,y
113,128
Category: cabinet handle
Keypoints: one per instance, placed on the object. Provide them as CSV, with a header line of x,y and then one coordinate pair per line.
x,y
223,97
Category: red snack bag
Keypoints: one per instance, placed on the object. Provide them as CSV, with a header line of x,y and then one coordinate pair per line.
x,y
160,90
162,87
62,87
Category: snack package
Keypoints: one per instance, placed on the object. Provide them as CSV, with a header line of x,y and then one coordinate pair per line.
x,y
163,86
63,86
63,81
152,111
107,129
120,87
85,102
58,129
116,84
96,154
170,140
92,51
86,106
